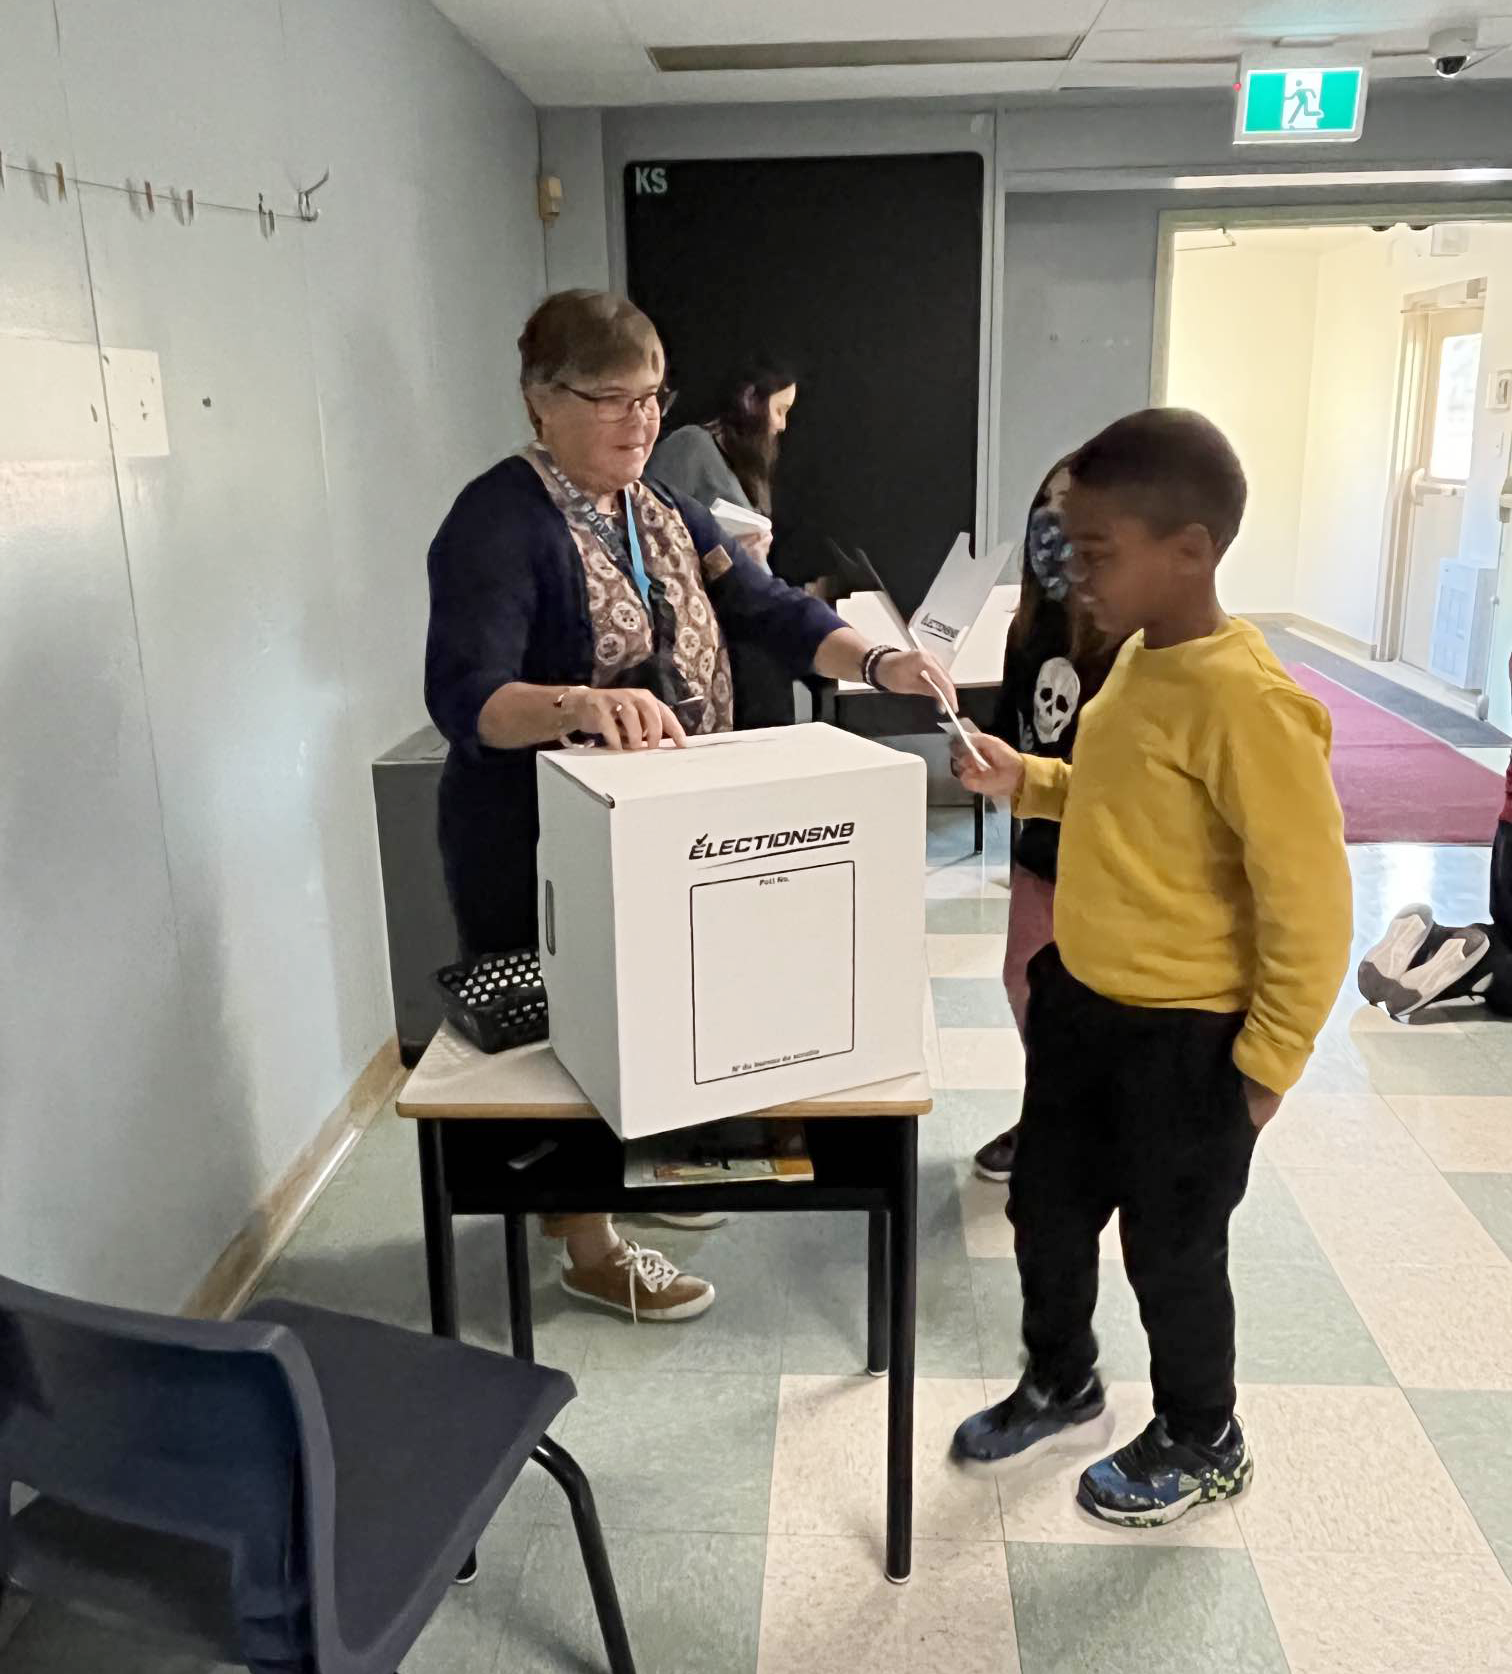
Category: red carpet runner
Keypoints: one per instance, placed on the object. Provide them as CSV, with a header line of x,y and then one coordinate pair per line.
x,y
1397,783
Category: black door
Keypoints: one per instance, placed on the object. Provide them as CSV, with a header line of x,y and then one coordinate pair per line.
x,y
865,271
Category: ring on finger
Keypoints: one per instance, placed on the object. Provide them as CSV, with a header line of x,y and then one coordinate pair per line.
x,y
619,709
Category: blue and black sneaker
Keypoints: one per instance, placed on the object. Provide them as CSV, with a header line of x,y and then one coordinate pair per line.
x,y
1155,1480
1028,1417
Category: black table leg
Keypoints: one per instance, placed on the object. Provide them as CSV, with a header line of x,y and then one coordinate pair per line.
x,y
521,1330
978,824
440,1245
903,1287
876,1292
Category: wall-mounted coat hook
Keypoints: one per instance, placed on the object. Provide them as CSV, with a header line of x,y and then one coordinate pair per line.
x,y
151,201
62,182
307,211
189,204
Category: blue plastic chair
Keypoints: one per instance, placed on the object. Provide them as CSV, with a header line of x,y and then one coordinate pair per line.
x,y
294,1490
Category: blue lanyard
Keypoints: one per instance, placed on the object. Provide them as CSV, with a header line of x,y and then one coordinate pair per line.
x,y
637,564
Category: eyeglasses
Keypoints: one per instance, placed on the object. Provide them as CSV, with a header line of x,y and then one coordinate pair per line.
x,y
615,409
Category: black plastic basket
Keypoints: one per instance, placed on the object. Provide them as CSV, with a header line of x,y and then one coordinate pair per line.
x,y
496,1002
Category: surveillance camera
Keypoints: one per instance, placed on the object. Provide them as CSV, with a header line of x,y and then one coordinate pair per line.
x,y
1451,50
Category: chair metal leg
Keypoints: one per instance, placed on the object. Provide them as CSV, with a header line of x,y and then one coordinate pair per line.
x,y
569,1476
978,824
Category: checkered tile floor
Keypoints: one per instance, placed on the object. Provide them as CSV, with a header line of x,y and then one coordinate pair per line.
x,y
738,1460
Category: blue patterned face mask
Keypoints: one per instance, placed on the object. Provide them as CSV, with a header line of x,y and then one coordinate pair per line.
x,y
1048,552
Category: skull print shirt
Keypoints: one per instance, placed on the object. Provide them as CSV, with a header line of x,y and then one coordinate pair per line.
x,y
1042,696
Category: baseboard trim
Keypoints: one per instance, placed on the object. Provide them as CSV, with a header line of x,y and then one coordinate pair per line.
x,y
1332,638
273,1221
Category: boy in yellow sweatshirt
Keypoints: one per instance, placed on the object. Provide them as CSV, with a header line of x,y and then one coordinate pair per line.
x,y
1202,929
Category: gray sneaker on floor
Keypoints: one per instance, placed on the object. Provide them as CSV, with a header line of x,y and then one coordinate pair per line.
x,y
1418,962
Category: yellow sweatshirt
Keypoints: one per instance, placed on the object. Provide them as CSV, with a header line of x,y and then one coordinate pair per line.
x,y
1202,857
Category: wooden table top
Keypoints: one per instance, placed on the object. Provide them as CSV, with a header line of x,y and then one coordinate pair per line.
x,y
455,1080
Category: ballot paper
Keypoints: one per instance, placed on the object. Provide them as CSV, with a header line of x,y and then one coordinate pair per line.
x,y
962,728
736,521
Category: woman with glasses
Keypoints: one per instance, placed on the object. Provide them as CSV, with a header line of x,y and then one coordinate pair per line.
x,y
571,599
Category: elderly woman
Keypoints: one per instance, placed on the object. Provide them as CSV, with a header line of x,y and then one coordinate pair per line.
x,y
570,598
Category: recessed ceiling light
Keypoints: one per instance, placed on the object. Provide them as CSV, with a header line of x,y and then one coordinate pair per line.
x,y
863,55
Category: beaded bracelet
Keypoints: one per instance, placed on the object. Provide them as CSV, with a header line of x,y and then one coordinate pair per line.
x,y
869,665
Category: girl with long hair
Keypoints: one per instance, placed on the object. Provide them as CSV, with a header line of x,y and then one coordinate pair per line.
x,y
1054,664
733,456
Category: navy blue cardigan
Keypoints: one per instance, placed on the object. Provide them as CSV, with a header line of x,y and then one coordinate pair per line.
x,y
508,602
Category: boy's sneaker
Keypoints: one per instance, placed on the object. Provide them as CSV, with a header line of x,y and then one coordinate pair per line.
x,y
1028,1417
995,1159
1155,1480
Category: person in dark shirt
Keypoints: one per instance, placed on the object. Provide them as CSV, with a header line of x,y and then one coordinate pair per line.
x,y
1053,666
570,598
734,457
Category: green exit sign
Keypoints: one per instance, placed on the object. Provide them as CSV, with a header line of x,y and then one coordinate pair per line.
x,y
1282,105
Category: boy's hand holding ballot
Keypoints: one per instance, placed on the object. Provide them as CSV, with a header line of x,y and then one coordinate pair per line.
x,y
1003,774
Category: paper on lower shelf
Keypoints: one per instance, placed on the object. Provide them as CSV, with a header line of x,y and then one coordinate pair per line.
x,y
720,1153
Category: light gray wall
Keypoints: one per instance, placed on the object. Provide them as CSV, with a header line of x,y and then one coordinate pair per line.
x,y
203,641
1073,314
1077,323
577,245
1407,124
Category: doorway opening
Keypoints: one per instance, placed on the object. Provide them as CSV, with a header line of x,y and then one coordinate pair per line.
x,y
1361,370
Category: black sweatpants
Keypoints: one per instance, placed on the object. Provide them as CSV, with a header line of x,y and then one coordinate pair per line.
x,y
1499,931
1139,1111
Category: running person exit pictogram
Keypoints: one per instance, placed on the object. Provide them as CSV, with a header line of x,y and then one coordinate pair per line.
x,y
1303,105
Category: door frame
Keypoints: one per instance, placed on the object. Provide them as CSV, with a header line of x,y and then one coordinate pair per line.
x,y
1416,391
1217,217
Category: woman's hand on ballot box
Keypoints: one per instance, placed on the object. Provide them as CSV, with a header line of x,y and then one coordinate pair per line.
x,y
620,717
1001,777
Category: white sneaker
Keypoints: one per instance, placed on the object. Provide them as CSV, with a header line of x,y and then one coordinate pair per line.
x,y
1395,951
1404,988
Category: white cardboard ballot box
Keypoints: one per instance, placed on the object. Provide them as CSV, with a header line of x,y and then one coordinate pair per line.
x,y
733,925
